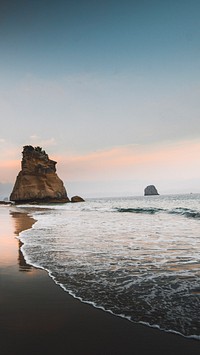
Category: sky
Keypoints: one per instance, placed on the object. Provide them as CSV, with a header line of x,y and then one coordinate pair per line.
x,y
109,89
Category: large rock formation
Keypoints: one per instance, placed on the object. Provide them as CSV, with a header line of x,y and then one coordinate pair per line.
x,y
150,190
37,181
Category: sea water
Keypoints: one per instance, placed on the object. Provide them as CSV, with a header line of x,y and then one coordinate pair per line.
x,y
136,257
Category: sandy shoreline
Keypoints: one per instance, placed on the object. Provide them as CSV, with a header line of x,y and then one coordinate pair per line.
x,y
38,317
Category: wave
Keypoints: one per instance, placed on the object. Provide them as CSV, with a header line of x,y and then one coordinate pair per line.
x,y
100,265
150,210
186,212
182,211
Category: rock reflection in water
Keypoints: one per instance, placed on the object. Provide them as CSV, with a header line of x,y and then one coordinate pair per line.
x,y
21,222
23,266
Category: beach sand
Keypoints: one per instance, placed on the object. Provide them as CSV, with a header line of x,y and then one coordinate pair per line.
x,y
38,317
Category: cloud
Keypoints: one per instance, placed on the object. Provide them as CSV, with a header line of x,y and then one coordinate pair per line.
x,y
167,164
133,161
96,111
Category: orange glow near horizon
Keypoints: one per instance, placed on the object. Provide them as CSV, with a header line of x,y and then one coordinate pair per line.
x,y
9,170
121,162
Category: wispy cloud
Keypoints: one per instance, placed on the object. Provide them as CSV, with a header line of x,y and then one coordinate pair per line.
x,y
133,161
162,162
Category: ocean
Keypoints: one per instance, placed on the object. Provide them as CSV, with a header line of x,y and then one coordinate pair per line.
x,y
137,257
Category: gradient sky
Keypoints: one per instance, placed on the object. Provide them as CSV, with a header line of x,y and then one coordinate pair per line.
x,y
110,89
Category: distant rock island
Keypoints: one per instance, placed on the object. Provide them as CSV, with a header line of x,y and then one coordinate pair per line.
x,y
150,190
37,181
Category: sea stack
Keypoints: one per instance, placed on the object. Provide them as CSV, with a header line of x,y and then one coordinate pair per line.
x,y
37,181
150,191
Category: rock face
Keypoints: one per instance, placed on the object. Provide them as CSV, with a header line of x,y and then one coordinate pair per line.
x,y
77,199
37,181
150,190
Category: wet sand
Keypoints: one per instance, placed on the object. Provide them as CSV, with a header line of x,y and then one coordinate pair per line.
x,y
38,317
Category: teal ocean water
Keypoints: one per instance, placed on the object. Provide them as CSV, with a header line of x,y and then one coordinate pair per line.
x,y
136,257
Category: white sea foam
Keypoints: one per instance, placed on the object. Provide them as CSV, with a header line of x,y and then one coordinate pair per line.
x,y
132,257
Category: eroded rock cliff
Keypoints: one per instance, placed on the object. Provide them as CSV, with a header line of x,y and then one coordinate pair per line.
x,y
37,181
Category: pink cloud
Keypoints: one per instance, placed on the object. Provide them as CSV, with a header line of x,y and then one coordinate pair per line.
x,y
118,162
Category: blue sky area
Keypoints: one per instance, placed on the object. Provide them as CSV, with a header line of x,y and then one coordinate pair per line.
x,y
87,78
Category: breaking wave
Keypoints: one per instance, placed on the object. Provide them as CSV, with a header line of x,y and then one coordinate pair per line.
x,y
134,257
140,210
186,212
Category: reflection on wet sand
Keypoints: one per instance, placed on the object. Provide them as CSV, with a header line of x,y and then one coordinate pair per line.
x,y
23,266
21,222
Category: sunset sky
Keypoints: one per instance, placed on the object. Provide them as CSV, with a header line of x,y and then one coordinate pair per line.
x,y
110,89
